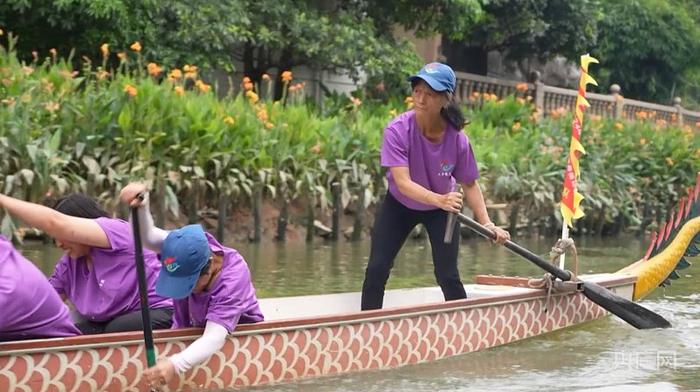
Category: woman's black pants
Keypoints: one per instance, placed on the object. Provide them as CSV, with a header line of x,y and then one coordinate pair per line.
x,y
392,226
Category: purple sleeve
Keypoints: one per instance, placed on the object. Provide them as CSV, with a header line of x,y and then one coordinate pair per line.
x,y
234,297
466,170
58,279
394,146
118,234
180,314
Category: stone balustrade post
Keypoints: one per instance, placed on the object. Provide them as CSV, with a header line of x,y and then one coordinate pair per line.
x,y
536,78
618,100
679,110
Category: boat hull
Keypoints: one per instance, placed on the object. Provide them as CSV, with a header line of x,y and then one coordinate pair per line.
x,y
291,349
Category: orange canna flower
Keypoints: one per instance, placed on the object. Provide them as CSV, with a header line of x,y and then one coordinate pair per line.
x,y
154,69
136,46
286,76
246,80
203,87
262,114
121,56
131,90
248,86
521,87
104,48
179,90
51,106
252,96
316,147
175,74
619,126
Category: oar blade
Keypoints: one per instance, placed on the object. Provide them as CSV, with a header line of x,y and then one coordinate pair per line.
x,y
636,315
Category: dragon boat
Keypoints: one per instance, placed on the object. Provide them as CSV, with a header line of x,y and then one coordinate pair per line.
x,y
321,335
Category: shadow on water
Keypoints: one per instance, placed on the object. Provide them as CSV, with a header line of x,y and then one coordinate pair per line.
x,y
603,355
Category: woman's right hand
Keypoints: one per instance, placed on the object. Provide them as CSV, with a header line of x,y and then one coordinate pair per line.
x,y
134,194
451,202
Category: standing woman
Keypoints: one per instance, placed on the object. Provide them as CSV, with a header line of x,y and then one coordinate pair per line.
x,y
97,272
427,154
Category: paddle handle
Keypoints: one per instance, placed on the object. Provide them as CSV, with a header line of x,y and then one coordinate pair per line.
x,y
143,289
517,249
451,219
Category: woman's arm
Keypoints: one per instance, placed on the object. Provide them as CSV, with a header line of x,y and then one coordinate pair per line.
x,y
61,226
200,350
136,195
475,201
451,201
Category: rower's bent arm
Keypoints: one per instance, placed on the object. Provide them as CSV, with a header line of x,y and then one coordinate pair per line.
x,y
60,226
200,350
475,201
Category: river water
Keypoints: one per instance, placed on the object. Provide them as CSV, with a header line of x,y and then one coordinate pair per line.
x,y
603,355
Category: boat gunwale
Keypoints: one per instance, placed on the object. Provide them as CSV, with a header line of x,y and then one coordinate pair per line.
x,y
75,343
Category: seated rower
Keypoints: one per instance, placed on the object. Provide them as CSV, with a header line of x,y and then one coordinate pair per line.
x,y
31,308
211,285
96,272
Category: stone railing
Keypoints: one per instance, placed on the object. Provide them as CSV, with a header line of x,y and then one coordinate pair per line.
x,y
549,98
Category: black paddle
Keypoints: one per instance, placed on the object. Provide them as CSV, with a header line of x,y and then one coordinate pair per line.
x,y
143,290
634,314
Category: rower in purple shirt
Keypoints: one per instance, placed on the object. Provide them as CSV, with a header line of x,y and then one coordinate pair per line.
x,y
210,283
426,154
96,273
31,308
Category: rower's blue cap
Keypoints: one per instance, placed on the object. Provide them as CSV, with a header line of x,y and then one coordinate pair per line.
x,y
440,77
184,254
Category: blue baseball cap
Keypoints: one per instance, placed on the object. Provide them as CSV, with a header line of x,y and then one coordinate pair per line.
x,y
440,77
184,254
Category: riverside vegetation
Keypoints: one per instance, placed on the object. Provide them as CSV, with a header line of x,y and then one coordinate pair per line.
x,y
92,126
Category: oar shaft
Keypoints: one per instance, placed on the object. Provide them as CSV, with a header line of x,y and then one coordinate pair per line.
x,y
634,314
143,289
517,249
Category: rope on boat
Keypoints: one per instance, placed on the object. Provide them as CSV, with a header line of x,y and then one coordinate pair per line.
x,y
547,281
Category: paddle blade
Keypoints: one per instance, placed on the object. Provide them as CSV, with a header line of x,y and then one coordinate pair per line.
x,y
636,315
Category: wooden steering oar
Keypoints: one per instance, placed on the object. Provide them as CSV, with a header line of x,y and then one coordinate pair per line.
x,y
634,314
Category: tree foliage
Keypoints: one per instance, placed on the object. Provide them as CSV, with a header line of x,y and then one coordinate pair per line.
x,y
534,28
647,46
343,36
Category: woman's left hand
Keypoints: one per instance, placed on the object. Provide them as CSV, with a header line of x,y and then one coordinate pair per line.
x,y
501,235
160,374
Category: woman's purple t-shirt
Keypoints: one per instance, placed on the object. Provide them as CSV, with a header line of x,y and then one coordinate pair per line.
x,y
110,288
435,166
231,299
31,308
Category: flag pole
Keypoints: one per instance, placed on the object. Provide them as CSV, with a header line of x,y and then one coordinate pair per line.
x,y
570,198
564,235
